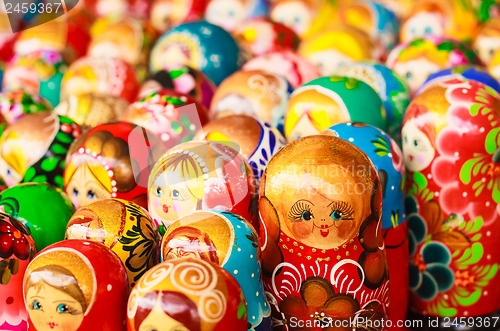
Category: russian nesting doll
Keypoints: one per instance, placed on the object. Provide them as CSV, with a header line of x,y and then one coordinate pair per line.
x,y
324,260
76,285
16,251
122,226
200,45
255,93
111,161
451,152
201,175
228,240
326,101
288,64
34,149
15,104
417,59
187,294
258,141
92,109
174,117
100,75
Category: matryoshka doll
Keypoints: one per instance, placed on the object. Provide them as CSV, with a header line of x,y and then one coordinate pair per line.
x,y
100,75
440,18
451,151
124,227
329,49
258,140
182,79
391,87
166,14
326,101
323,256
172,116
487,41
255,93
76,285
42,208
37,72
261,35
125,38
34,149
111,161
187,294
288,64
67,35
305,17
201,175
419,58
92,109
15,104
200,45
16,251
230,14
375,20
228,240
388,160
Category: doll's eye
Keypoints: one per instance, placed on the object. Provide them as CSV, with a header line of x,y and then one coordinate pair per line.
x,y
175,194
491,51
428,30
408,75
301,211
158,192
8,172
296,19
337,215
37,305
405,139
75,192
341,211
306,215
90,194
62,308
415,142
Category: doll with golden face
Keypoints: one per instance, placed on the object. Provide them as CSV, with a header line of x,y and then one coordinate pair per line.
x,y
323,257
166,14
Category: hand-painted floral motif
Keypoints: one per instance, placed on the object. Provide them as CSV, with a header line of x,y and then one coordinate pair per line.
x,y
453,198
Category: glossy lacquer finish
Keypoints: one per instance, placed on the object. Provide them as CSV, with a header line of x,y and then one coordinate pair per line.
x,y
321,235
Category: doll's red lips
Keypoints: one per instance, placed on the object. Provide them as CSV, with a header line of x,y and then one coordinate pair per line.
x,y
410,157
324,233
52,324
165,208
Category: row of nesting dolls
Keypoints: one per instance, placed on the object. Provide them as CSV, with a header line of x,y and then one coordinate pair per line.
x,y
298,39
330,227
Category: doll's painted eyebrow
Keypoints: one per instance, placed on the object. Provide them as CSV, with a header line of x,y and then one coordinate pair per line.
x,y
64,301
304,200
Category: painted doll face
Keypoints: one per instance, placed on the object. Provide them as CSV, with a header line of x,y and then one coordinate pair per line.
x,y
83,189
171,198
325,215
294,14
416,71
166,13
486,47
51,309
423,24
417,149
329,60
225,13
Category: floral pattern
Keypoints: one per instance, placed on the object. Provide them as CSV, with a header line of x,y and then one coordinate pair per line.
x,y
479,176
140,242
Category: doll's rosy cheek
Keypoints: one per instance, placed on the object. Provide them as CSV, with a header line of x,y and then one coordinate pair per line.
x,y
302,229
